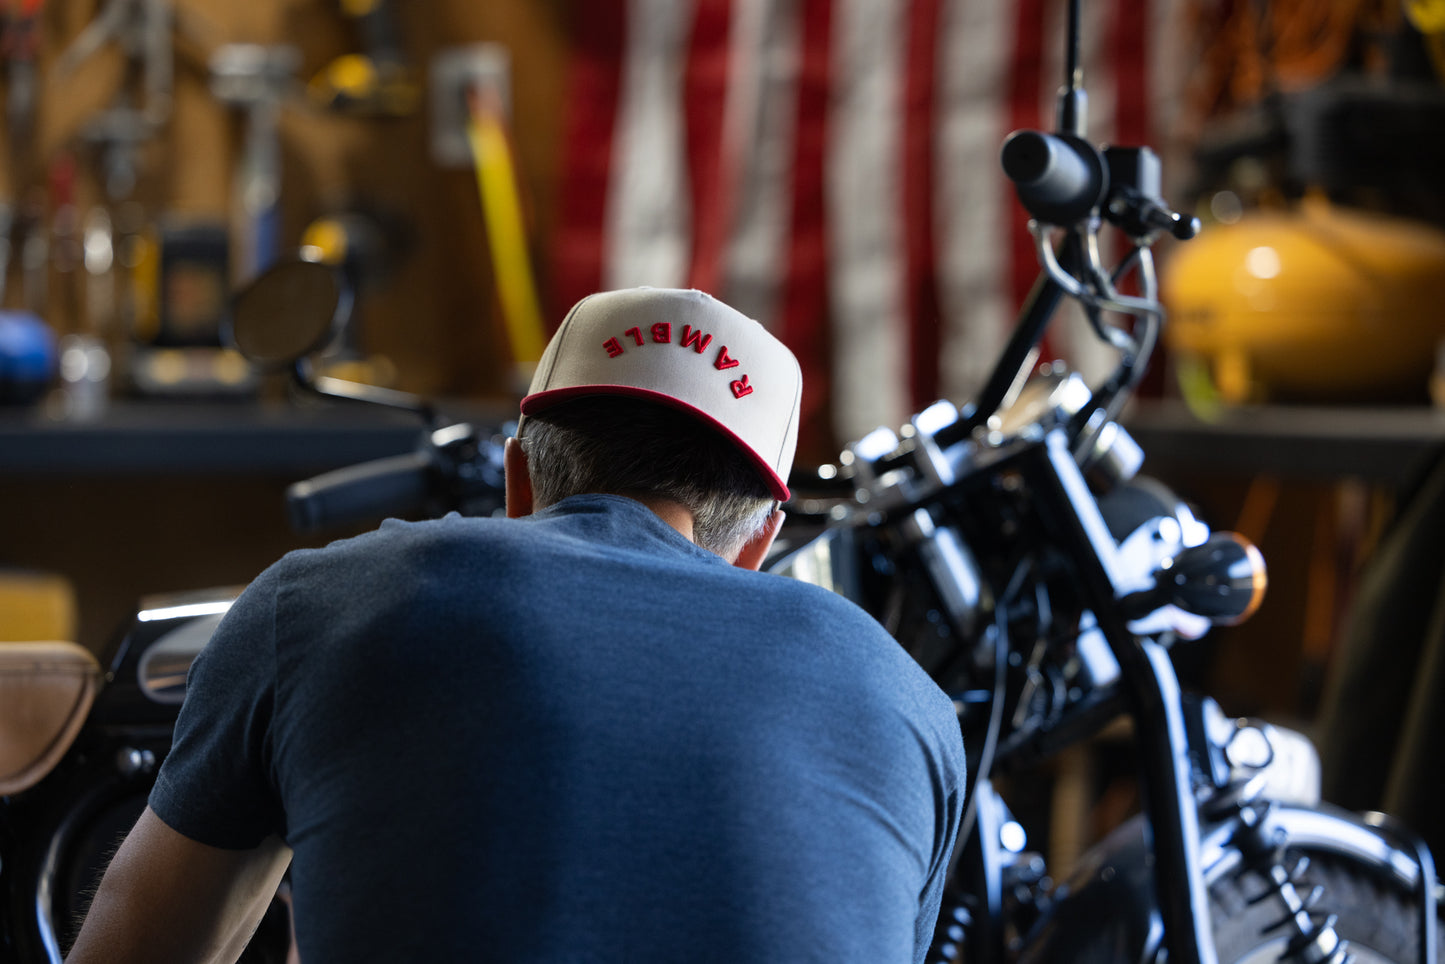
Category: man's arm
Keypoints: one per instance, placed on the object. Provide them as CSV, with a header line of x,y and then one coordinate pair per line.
x,y
168,898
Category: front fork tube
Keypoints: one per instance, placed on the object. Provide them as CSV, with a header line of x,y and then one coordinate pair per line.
x,y
1152,696
1169,802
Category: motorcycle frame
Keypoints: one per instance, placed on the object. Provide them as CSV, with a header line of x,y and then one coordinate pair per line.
x,y
1170,907
1147,690
1151,694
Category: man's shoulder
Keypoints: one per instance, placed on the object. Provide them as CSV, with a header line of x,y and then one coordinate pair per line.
x,y
399,544
814,603
808,611
393,533
872,657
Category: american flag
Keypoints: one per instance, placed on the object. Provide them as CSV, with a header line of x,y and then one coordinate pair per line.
x,y
830,167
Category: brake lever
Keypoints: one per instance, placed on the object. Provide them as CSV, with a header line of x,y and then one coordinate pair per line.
x,y
1101,293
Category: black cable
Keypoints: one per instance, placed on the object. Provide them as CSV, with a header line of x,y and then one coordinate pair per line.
x,y
1000,681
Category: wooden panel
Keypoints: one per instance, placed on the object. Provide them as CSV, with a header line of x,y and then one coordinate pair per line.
x,y
433,314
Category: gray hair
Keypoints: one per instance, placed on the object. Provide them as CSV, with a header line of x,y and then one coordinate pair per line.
x,y
629,447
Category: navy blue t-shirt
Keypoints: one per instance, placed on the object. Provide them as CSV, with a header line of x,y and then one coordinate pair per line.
x,y
573,737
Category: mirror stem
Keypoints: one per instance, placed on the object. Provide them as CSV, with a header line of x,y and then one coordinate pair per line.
x,y
361,392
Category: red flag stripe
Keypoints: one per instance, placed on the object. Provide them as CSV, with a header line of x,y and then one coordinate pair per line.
x,y
804,325
598,37
925,321
1024,92
1129,55
705,95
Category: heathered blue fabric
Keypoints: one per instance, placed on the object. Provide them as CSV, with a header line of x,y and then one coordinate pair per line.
x,y
575,737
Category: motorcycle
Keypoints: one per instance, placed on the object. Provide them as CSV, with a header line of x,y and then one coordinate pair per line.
x,y
1013,549
1010,546
84,738
1015,552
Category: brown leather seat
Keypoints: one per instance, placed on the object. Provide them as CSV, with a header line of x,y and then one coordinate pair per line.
x,y
46,691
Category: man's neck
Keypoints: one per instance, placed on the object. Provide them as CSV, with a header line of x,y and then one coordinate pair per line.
x,y
670,511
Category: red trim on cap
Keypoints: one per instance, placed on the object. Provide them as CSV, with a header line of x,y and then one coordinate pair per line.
x,y
541,401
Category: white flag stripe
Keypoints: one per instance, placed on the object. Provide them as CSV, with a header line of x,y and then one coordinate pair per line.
x,y
865,202
1169,57
971,207
648,212
756,251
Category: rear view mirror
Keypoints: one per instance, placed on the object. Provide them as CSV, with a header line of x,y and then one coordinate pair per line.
x,y
290,311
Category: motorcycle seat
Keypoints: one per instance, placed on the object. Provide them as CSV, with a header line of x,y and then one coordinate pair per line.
x,y
46,691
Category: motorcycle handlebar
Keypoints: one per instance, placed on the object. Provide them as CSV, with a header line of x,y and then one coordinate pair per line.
x,y
397,485
1059,178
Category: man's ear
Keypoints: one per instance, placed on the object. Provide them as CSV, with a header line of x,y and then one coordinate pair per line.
x,y
519,479
756,549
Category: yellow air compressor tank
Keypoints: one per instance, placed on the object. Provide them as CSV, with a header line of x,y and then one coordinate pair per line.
x,y
1315,303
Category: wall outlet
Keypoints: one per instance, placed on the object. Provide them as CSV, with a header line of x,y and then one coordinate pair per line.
x,y
454,72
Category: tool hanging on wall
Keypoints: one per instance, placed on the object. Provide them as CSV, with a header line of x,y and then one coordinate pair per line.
x,y
377,81
19,45
1428,17
491,150
74,307
182,293
142,106
256,79
62,303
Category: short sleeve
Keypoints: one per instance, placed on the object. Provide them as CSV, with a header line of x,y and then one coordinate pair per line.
x,y
215,785
931,901
948,771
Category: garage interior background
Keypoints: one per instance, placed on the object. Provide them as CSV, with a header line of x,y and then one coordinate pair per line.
x,y
829,167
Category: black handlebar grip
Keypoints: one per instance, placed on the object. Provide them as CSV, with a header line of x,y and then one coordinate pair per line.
x,y
371,491
1059,178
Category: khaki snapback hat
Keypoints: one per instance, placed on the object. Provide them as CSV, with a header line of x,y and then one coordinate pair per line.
x,y
681,348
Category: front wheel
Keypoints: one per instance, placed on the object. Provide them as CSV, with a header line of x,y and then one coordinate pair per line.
x,y
1107,910
1380,922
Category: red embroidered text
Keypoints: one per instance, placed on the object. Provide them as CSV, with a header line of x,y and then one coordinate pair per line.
x,y
694,338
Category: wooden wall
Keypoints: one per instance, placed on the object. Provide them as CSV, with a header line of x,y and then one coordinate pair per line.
x,y
432,314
